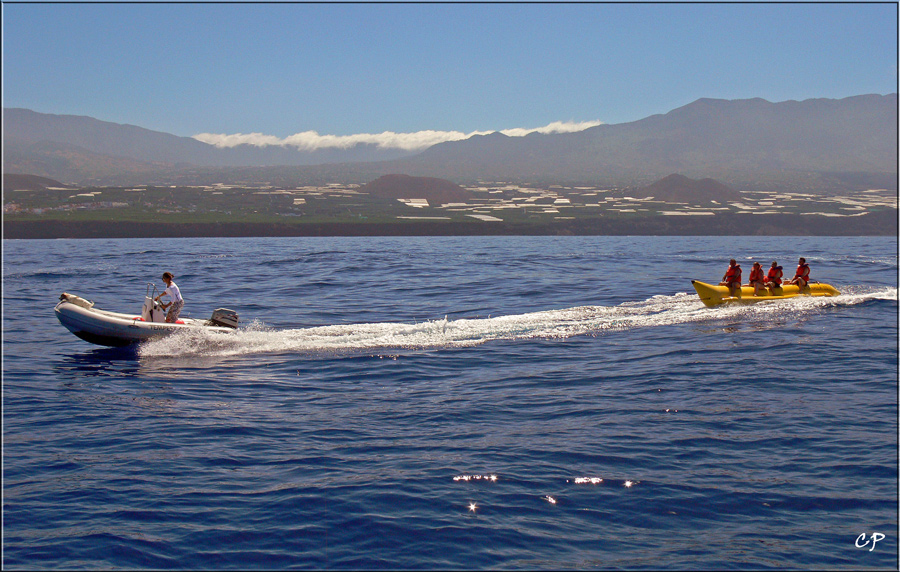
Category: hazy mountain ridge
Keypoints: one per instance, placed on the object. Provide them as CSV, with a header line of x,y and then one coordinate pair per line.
x,y
27,128
816,144
104,138
738,141
76,165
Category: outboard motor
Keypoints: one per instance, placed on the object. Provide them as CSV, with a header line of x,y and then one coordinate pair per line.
x,y
224,317
151,311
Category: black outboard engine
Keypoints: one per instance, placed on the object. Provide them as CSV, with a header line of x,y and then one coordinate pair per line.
x,y
224,317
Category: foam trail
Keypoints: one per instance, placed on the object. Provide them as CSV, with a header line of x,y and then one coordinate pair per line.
x,y
656,311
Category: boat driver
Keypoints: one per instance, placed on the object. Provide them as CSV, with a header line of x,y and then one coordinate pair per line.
x,y
176,301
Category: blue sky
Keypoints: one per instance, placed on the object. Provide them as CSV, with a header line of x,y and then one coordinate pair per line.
x,y
345,69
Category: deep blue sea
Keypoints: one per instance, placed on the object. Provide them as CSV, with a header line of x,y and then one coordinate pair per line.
x,y
453,403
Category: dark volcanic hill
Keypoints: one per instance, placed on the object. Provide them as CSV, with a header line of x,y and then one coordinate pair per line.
x,y
14,182
437,191
681,189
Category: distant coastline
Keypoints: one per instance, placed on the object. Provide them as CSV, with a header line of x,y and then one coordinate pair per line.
x,y
881,223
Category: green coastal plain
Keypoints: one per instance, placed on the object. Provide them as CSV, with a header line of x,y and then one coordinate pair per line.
x,y
494,208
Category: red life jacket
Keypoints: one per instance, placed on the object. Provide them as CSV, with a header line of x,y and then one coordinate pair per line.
x,y
775,275
802,272
756,274
733,274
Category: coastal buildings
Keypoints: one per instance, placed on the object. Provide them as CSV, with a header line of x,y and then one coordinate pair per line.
x,y
489,202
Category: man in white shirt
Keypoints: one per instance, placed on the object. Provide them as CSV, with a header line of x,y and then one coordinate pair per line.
x,y
176,303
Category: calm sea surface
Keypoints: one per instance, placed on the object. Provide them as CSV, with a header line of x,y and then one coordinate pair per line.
x,y
421,403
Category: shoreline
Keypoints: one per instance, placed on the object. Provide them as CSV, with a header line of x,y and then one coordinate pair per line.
x,y
882,223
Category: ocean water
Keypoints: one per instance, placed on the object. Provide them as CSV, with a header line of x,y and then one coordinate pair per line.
x,y
453,403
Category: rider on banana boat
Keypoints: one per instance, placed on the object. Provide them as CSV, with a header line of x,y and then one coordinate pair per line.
x,y
732,278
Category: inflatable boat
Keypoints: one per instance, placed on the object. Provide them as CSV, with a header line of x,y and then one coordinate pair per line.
x,y
106,328
715,295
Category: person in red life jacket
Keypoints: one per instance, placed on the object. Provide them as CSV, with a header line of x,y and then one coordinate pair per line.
x,y
756,279
773,278
801,277
732,278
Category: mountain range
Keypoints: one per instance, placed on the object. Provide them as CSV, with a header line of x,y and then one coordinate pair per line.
x,y
819,145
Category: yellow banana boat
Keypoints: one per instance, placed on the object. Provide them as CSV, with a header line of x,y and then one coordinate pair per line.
x,y
715,295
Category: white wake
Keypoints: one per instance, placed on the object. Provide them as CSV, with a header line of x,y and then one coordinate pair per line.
x,y
680,308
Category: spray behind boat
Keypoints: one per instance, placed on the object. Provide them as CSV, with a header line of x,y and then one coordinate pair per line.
x,y
152,311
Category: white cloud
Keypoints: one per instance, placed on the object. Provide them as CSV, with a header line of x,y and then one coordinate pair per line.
x,y
555,127
311,140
